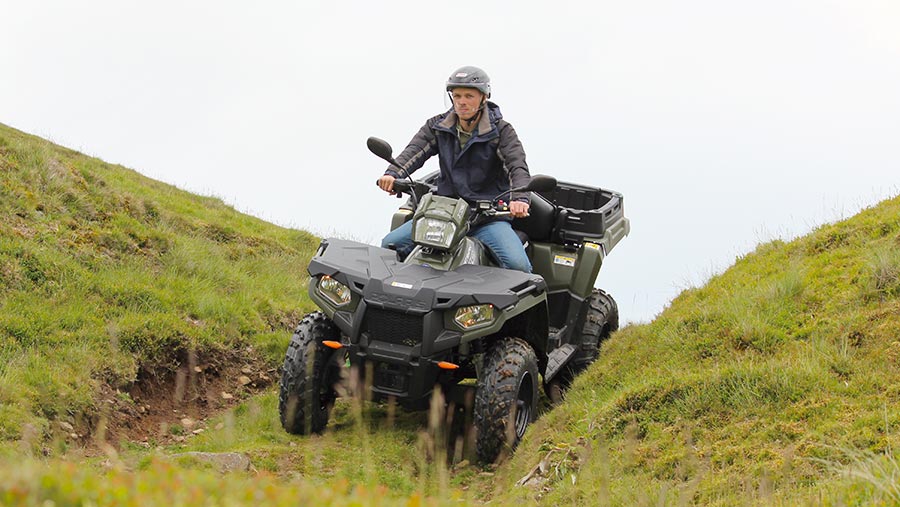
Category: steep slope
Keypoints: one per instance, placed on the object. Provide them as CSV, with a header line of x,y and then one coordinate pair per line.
x,y
776,382
118,292
109,279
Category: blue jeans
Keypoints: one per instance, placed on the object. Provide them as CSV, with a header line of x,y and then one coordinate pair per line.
x,y
497,236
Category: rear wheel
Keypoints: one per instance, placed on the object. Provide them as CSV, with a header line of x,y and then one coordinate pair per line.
x,y
600,321
306,393
506,397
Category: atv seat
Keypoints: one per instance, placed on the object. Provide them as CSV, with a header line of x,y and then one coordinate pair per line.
x,y
538,225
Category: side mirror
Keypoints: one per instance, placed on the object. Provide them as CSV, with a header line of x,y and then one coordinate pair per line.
x,y
539,183
381,149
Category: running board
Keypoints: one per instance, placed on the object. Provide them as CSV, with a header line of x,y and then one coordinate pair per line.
x,y
557,359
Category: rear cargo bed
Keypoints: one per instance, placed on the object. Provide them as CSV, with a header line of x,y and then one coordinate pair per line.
x,y
575,214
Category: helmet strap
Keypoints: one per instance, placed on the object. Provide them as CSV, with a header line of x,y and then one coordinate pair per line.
x,y
477,116
474,119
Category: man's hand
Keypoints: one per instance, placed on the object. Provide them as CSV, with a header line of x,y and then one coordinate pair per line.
x,y
518,209
386,183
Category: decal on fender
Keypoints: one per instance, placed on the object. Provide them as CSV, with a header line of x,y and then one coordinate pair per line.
x,y
565,261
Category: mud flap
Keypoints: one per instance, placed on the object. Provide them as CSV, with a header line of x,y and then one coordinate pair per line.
x,y
557,359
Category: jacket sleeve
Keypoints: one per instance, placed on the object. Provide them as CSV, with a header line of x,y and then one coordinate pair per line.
x,y
422,147
512,154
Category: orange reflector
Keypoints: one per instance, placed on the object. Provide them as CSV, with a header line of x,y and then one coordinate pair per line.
x,y
331,344
444,365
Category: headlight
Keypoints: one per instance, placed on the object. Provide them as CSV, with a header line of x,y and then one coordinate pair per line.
x,y
435,232
334,291
471,316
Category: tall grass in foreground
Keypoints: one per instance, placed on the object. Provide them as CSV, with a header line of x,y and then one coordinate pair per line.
x,y
365,443
161,483
866,478
367,456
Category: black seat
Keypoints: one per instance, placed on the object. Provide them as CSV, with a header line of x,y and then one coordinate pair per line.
x,y
538,225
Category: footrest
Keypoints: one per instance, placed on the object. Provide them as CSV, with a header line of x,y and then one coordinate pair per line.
x,y
557,359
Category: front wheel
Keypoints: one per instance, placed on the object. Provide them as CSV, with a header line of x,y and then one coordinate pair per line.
x,y
306,393
506,397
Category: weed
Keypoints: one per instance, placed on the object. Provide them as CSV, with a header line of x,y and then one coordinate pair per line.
x,y
883,272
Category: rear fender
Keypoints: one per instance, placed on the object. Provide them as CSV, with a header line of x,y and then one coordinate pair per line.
x,y
565,268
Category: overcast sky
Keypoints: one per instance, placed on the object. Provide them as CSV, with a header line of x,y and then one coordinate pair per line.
x,y
724,124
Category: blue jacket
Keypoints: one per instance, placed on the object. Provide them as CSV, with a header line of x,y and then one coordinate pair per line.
x,y
491,162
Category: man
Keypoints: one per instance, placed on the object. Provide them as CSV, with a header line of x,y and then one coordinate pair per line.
x,y
480,157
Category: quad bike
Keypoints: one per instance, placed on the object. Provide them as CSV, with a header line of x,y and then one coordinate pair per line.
x,y
447,314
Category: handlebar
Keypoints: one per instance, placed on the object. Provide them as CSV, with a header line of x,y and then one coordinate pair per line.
x,y
502,214
402,186
412,188
486,210
482,209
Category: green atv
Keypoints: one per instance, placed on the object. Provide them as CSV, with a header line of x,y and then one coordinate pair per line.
x,y
447,314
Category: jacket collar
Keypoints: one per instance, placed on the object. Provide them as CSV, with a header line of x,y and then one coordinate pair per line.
x,y
484,123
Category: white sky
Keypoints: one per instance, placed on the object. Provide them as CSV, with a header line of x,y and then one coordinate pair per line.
x,y
723,123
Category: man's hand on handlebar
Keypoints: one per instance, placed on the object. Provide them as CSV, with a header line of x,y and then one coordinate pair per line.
x,y
386,183
518,209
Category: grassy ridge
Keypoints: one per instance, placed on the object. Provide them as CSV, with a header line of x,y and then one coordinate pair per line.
x,y
777,382
104,271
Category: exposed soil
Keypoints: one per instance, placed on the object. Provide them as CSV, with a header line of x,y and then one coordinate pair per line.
x,y
163,406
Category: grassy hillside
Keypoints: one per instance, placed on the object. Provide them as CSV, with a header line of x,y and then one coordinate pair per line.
x,y
777,382
106,275
127,301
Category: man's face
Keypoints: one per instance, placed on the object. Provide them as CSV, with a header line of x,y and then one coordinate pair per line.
x,y
466,101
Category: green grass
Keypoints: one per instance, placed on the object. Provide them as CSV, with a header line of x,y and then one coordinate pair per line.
x,y
104,272
362,445
776,383
764,386
164,483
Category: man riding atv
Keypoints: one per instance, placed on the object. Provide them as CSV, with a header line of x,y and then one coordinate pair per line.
x,y
480,157
445,313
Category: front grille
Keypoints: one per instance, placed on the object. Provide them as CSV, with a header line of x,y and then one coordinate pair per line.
x,y
391,377
393,327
